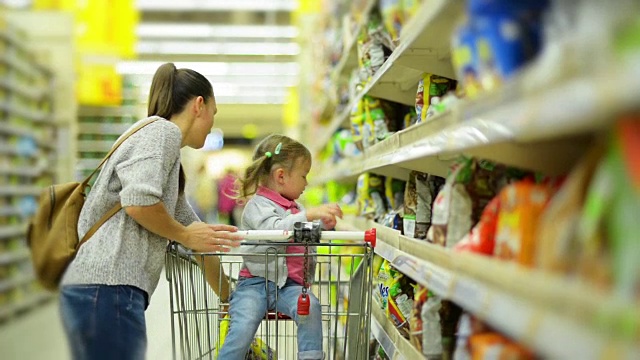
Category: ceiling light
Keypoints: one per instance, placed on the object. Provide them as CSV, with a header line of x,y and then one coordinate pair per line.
x,y
216,5
178,30
217,48
214,68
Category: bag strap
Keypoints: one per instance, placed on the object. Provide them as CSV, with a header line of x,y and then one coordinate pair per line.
x,y
100,222
114,148
117,206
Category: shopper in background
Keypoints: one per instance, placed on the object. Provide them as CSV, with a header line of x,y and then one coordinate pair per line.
x,y
277,177
203,197
107,287
226,201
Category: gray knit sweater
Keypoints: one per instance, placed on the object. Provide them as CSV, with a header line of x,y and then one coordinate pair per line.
x,y
143,171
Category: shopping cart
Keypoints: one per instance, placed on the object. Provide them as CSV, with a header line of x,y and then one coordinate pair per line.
x,y
343,286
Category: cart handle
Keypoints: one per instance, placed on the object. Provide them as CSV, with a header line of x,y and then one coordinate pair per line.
x,y
368,236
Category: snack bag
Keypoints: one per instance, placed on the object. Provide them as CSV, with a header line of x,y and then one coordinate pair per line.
x,y
410,206
521,205
431,327
393,17
481,240
427,187
400,300
467,191
465,59
439,86
382,289
357,124
377,117
394,192
609,225
365,204
259,350
420,296
558,246
410,8
420,96
393,219
377,264
370,190
489,346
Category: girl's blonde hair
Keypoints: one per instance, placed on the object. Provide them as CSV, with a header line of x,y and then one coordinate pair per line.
x,y
273,152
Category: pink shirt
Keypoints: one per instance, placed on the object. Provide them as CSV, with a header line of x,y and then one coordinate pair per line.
x,y
295,264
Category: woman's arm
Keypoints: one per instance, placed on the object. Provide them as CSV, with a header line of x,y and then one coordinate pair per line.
x,y
197,236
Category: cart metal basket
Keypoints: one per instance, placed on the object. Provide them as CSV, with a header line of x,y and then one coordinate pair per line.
x,y
343,286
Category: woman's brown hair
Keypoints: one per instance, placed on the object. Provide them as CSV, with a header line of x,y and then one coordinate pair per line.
x,y
171,90
272,152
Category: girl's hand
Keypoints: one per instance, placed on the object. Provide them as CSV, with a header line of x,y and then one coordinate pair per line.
x,y
327,213
203,237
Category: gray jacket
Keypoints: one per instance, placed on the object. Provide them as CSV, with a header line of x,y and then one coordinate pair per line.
x,y
260,213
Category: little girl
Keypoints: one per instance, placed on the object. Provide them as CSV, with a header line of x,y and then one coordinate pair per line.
x,y
277,177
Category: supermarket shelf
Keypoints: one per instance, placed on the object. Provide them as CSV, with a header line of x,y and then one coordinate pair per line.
x,y
23,68
29,93
33,300
35,116
16,281
9,211
556,317
425,44
95,145
349,59
14,256
340,120
20,171
103,128
88,163
20,190
13,150
10,38
394,344
10,129
111,111
520,132
424,47
10,231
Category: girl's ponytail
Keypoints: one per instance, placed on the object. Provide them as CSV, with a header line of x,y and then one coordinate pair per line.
x,y
248,184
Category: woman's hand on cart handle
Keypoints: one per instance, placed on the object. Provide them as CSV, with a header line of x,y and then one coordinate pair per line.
x,y
203,237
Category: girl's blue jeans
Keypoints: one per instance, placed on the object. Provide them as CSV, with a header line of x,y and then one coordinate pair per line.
x,y
104,322
248,306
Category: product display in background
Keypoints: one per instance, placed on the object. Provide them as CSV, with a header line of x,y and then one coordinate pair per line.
x,y
497,38
373,120
574,223
28,160
435,94
371,196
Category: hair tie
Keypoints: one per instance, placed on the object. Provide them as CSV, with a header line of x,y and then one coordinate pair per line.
x,y
278,148
268,154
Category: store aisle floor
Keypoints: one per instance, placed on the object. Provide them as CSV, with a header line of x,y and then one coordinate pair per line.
x,y
39,334
159,323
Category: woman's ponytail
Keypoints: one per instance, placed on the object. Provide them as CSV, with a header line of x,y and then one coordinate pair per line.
x,y
161,93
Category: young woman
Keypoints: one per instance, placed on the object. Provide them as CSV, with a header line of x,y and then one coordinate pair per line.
x,y
106,289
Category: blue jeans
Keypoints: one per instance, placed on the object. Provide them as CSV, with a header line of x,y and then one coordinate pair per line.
x,y
104,322
248,306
